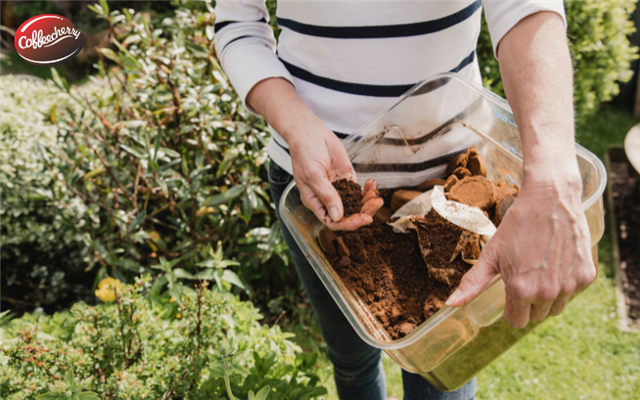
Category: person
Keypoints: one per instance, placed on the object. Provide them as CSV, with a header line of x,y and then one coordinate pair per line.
x,y
340,63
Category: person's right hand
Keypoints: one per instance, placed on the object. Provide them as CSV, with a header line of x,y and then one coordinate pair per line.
x,y
319,158
317,155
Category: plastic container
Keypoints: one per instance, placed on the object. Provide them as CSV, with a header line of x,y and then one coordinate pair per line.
x,y
412,142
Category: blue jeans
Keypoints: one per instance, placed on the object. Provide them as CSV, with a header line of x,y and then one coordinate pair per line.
x,y
357,367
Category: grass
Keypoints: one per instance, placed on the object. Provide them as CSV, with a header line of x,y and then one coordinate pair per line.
x,y
579,355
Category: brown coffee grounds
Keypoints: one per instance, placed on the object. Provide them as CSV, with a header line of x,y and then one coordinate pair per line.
x,y
351,195
476,164
383,215
403,279
502,189
388,272
475,191
402,197
502,206
429,184
458,161
461,173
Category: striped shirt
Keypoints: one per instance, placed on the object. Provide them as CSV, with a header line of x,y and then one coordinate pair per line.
x,y
351,59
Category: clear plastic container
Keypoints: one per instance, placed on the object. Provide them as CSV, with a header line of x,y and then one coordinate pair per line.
x,y
412,142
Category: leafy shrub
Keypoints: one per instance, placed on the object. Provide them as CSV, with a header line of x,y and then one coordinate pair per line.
x,y
598,40
168,163
41,250
202,346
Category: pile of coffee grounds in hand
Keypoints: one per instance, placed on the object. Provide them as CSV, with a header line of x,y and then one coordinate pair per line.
x,y
351,195
405,278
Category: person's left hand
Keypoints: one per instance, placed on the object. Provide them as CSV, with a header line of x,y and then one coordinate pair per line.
x,y
542,249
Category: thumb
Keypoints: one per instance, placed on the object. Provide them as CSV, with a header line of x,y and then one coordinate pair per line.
x,y
328,195
475,279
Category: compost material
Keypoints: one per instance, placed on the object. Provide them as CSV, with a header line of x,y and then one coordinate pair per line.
x,y
405,278
626,192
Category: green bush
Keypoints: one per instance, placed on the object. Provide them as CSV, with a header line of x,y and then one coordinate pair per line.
x,y
41,245
202,346
598,40
167,162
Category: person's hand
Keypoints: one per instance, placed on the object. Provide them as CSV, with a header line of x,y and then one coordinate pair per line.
x,y
319,158
542,249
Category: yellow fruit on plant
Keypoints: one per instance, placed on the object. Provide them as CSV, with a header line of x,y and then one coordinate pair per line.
x,y
107,289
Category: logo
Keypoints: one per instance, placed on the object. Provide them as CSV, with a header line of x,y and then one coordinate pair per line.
x,y
48,40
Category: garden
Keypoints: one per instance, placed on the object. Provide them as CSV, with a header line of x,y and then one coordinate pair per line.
x,y
141,253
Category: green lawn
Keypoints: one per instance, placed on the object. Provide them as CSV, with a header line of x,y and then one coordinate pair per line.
x,y
578,355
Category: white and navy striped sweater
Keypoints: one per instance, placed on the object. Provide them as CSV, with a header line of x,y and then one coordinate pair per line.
x,y
351,59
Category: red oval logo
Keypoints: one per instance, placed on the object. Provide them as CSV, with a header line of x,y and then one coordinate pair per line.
x,y
48,39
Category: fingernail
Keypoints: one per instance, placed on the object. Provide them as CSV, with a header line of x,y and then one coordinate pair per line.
x,y
454,297
335,215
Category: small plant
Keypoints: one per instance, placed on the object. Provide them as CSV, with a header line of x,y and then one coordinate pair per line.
x,y
68,389
136,347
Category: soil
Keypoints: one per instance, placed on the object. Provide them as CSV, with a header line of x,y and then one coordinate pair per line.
x,y
405,278
626,192
387,270
351,194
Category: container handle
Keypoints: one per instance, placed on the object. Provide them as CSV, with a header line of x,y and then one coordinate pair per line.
x,y
488,307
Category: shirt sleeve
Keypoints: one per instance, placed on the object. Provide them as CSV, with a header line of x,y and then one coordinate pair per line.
x,y
245,45
502,15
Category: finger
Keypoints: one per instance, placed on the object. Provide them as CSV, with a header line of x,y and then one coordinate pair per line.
x,y
328,195
475,280
368,195
370,184
313,203
558,306
517,312
350,223
540,311
372,206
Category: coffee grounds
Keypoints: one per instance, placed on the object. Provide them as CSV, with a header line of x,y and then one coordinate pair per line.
x,y
476,191
388,272
351,195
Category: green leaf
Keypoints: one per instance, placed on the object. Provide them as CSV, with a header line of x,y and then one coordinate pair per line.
x,y
216,370
93,173
196,50
169,152
104,5
133,152
226,163
136,222
224,197
196,172
47,396
247,208
61,83
111,55
157,145
262,394
169,165
239,369
232,278
88,396
182,274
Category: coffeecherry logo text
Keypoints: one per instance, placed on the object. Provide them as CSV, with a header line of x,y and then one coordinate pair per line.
x,y
48,40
